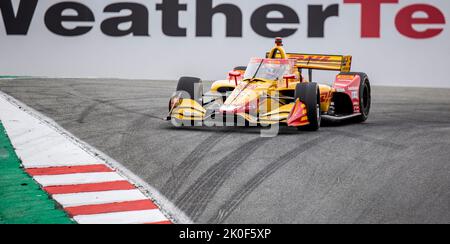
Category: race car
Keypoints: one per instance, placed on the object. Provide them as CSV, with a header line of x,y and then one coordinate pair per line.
x,y
274,90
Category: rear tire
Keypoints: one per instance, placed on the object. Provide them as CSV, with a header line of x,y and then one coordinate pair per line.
x,y
309,94
365,99
365,96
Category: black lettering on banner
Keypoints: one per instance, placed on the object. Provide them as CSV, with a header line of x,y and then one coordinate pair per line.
x,y
54,18
20,23
317,17
205,13
170,17
138,19
260,20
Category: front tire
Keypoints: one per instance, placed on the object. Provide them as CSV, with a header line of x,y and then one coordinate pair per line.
x,y
187,88
191,88
309,94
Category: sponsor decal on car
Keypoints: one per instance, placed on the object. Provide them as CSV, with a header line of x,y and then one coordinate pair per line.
x,y
345,77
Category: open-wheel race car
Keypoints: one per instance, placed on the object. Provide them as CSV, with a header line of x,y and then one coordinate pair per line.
x,y
273,90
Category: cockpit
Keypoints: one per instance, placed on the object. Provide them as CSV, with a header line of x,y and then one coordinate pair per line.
x,y
269,69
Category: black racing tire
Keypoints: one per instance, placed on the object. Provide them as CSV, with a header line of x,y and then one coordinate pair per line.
x,y
365,96
191,88
240,68
309,94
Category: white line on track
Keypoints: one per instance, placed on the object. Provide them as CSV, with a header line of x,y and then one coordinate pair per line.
x,y
131,217
77,179
103,197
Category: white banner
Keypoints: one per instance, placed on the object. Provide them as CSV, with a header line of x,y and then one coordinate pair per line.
x,y
397,42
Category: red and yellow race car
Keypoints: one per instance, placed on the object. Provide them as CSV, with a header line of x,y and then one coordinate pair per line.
x,y
274,90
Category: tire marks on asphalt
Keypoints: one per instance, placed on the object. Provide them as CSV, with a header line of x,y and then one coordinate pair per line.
x,y
126,110
194,201
107,102
380,142
136,130
187,166
86,112
229,206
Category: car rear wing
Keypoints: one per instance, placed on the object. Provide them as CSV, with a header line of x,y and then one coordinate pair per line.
x,y
320,62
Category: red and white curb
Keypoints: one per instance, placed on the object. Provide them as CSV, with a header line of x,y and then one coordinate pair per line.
x,y
95,194
92,189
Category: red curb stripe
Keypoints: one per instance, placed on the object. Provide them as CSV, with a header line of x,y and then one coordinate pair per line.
x,y
111,208
105,186
167,222
98,168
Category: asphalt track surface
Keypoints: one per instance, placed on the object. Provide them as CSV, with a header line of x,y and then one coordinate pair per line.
x,y
395,168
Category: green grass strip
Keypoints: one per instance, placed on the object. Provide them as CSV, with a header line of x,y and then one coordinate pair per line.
x,y
8,77
22,201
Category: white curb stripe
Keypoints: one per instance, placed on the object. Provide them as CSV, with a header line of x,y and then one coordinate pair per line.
x,y
77,179
31,165
131,217
38,145
92,198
